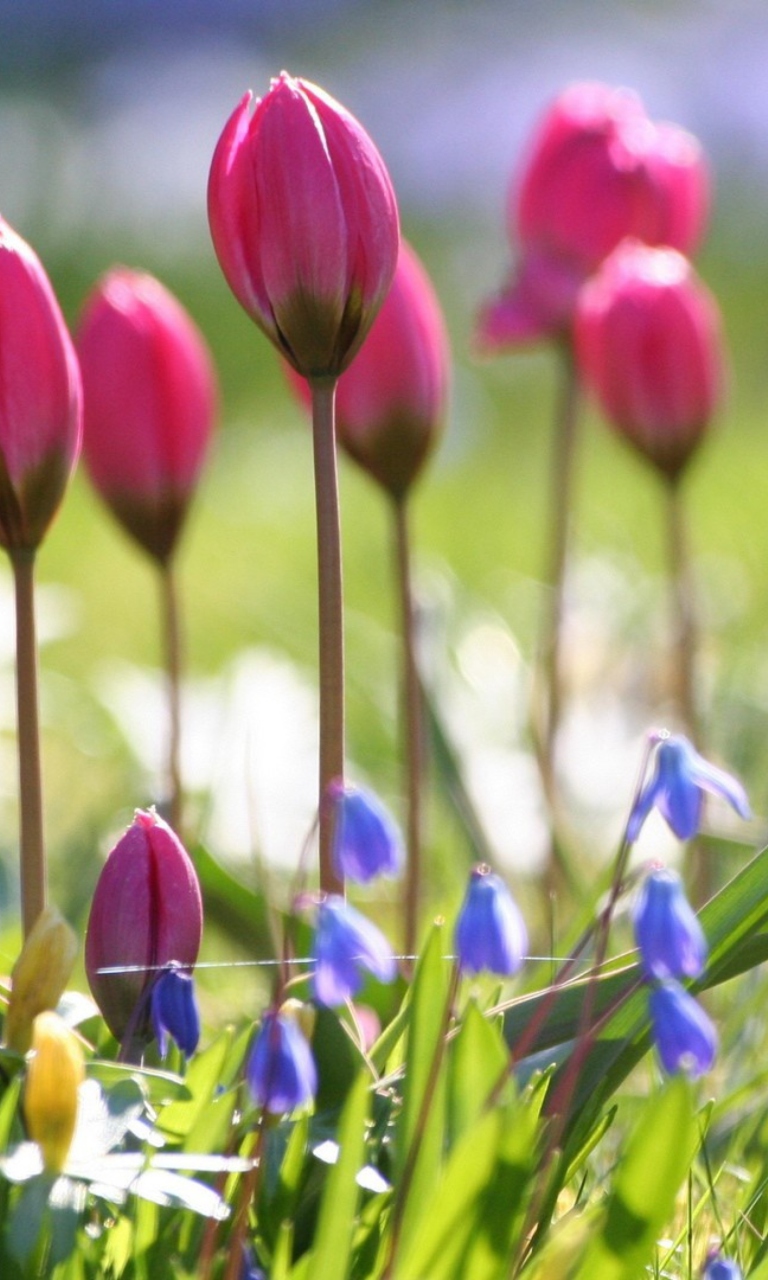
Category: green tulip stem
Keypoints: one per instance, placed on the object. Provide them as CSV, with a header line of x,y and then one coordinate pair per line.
x,y
331,617
169,602
33,864
413,727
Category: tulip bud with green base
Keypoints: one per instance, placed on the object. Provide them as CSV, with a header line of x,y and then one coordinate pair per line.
x,y
39,976
304,223
146,913
54,1075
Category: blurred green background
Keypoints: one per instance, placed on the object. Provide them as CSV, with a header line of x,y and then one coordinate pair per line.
x,y
109,112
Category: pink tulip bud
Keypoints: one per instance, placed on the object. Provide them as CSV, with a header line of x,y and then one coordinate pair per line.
x,y
598,170
648,342
390,402
146,913
304,223
40,397
150,404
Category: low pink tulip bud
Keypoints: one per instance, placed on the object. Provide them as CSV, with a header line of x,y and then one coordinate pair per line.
x,y
150,404
146,913
648,343
304,223
598,170
391,401
40,397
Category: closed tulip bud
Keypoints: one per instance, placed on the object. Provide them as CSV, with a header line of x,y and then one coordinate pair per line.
x,y
146,913
667,929
40,397
685,1037
150,405
39,976
391,401
490,931
54,1074
304,223
649,345
598,170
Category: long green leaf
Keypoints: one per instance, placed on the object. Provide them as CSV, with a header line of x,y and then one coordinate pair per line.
x,y
335,1230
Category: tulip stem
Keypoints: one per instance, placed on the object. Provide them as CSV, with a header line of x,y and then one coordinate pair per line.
x,y
549,700
173,662
683,612
331,617
33,866
413,726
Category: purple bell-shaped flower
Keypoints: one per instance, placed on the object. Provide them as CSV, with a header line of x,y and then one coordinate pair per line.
x,y
281,1071
345,943
676,789
366,841
490,930
174,1011
685,1037
667,929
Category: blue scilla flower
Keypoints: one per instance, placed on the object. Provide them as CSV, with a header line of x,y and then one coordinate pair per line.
x,y
174,1012
344,944
667,929
366,841
684,1036
490,930
677,786
717,1267
281,1071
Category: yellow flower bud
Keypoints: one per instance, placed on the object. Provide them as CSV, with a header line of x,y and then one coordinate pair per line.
x,y
304,1015
54,1074
39,976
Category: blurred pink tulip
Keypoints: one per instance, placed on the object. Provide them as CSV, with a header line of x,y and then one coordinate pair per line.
x,y
304,223
391,401
146,912
648,342
150,404
40,397
598,170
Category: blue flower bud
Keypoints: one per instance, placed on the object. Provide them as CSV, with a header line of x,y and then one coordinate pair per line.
x,y
717,1267
344,943
667,930
685,1037
281,1071
490,930
366,841
676,789
174,1012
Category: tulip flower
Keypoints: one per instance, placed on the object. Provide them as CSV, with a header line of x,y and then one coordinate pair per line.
x,y
149,407
281,1071
490,931
40,398
667,930
304,223
366,842
174,1011
390,408
649,345
40,428
685,1037
345,943
54,1075
146,913
598,170
680,779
